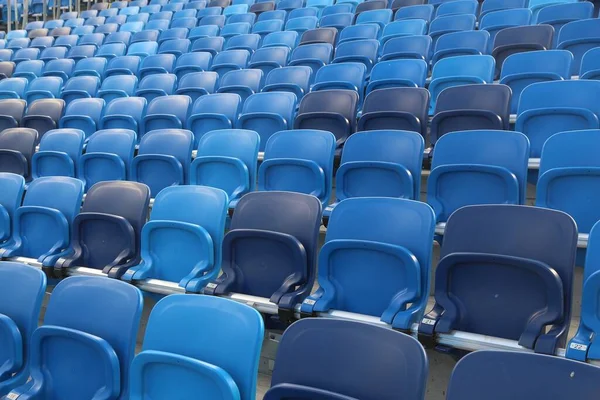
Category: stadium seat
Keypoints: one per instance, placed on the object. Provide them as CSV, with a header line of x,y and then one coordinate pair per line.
x,y
457,8
230,30
391,247
59,50
18,44
381,17
124,113
203,32
461,44
499,375
396,108
310,362
196,362
417,11
357,51
298,161
153,86
359,32
62,68
156,64
303,12
22,289
6,54
12,111
198,84
267,113
192,62
117,86
338,21
26,54
249,18
227,159
329,110
142,49
163,158
289,79
42,225
523,291
80,52
348,75
17,146
412,47
498,5
208,11
560,14
550,107
408,27
58,154
314,56
118,37
13,88
590,65
398,4
93,39
230,60
6,69
82,314
281,39
45,87
448,24
461,70
147,35
269,251
492,161
249,42
269,58
184,14
290,5
43,115
87,29
212,112
398,73
218,20
259,8
166,112
42,43
172,33
83,114
212,45
123,65
111,50
93,66
271,15
319,35
80,87
578,37
244,83
263,28
471,107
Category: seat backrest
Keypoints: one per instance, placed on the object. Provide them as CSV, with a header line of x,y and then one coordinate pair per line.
x,y
329,76
417,11
164,82
157,63
358,32
289,78
397,72
83,114
118,37
61,193
452,23
249,78
590,64
227,104
474,66
114,141
366,48
312,353
540,35
123,65
457,8
22,140
67,141
407,27
519,375
12,112
106,308
93,66
44,114
274,14
475,40
544,61
147,35
496,5
61,67
11,88
319,35
238,58
248,42
177,106
123,112
407,47
319,51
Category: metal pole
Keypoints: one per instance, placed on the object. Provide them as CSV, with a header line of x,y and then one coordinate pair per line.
x,y
9,16
44,10
25,13
16,14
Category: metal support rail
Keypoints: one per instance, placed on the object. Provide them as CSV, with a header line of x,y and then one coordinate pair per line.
x,y
455,339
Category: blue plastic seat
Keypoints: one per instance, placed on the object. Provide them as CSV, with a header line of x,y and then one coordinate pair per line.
x,y
395,108
123,65
267,113
370,6
290,5
11,113
184,14
471,107
273,14
36,33
502,374
380,17
106,29
523,69
314,56
195,362
166,112
141,17
340,8
289,79
559,14
87,29
163,158
17,146
80,52
537,5
153,86
62,68
192,62
172,7
357,51
124,113
94,39
578,37
173,33
61,46
310,362
450,23
457,8
461,70
45,87
269,58
58,153
550,107
26,54
117,86
108,228
176,47
590,65
269,251
263,28
142,49
111,50
461,44
301,24
417,11
347,75
498,5
523,291
43,115
17,44
303,12
338,21
412,47
244,82
203,32
196,84
80,87
212,45
218,20
147,35
6,54
208,11
359,32
230,60
197,236
7,68
108,155
152,8
83,114
227,159
245,17
157,64
42,42
80,315
298,161
401,28
41,226
213,112
319,35
402,253
22,288
13,88
493,162
168,15
398,73
249,42
93,67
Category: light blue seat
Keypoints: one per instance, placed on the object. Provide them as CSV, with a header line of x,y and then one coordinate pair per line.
x,y
133,27
477,167
495,21
45,87
461,70
10,200
93,66
413,47
299,161
230,30
166,112
212,45
267,113
379,17
124,113
315,56
212,112
398,73
338,21
590,65
230,60
408,27
22,289
269,58
419,11
195,363
107,157
359,32
80,52
398,254
117,86
192,62
550,107
578,37
273,14
184,14
83,114
196,84
61,45
13,88
523,69
27,54
100,318
42,42
62,68
58,154
147,35
235,9
142,49
203,31
94,39
303,12
157,64
461,44
111,50
498,5
249,42
246,17
182,241
80,87
29,70
319,4
537,5
157,85
348,75
244,82
561,13
227,159
289,79
263,28
218,20
457,8
42,225
173,33
123,65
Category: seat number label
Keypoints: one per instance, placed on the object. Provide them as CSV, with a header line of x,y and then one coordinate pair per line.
x,y
428,321
579,347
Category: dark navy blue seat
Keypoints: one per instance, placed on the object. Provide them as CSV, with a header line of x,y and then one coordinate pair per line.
x,y
243,82
558,15
196,84
166,112
319,35
213,111
497,375
58,154
43,115
17,146
83,114
12,111
106,233
310,363
269,251
522,267
289,79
